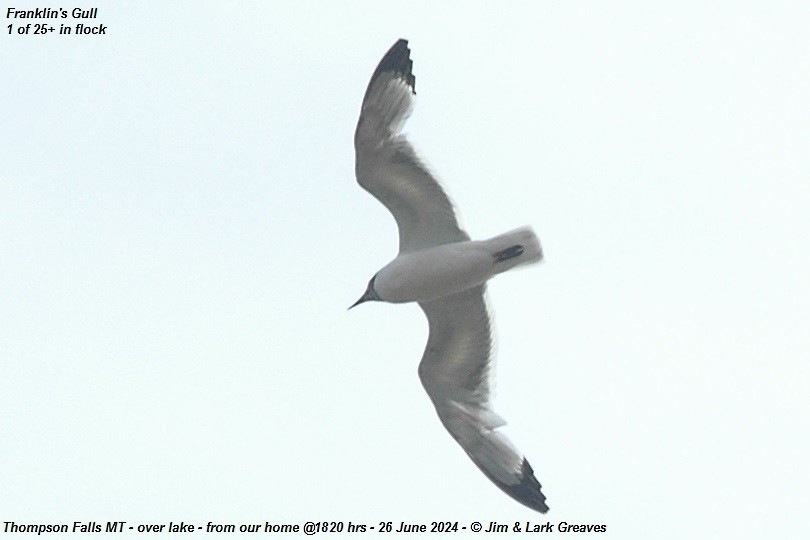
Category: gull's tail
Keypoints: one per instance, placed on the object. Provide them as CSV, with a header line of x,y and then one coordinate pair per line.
x,y
514,248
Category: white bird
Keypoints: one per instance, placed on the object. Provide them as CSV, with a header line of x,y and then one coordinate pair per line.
x,y
439,267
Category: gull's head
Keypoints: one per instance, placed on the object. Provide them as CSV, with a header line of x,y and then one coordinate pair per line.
x,y
370,294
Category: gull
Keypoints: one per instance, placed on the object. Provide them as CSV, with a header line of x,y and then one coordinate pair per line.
x,y
445,272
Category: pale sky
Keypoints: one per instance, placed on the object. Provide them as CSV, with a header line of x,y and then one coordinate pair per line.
x,y
181,234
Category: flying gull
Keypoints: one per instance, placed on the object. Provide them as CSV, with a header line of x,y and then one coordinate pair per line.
x,y
439,267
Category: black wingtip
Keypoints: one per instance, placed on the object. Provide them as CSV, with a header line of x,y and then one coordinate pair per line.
x,y
527,492
398,60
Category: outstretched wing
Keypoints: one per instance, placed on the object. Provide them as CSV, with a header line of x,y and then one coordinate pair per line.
x,y
455,372
387,165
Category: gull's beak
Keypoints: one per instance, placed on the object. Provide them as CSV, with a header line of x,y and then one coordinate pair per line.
x,y
365,298
370,294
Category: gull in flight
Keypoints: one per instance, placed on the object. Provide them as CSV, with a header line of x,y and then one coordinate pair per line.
x,y
445,272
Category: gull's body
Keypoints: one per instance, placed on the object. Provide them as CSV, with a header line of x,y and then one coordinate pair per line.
x,y
439,267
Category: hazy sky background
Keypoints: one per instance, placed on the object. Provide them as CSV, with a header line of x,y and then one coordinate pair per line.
x,y
181,234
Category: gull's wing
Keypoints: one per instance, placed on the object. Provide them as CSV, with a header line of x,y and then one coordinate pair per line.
x,y
387,166
455,372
